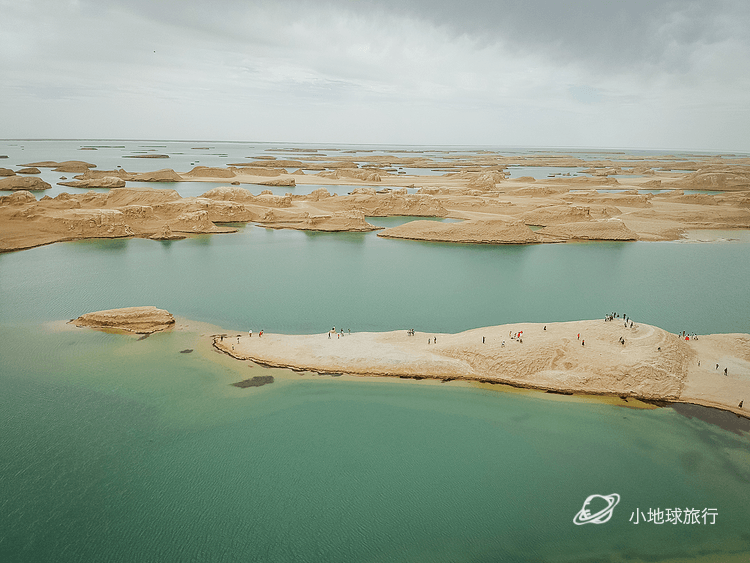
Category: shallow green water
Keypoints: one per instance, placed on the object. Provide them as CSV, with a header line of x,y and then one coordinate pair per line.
x,y
127,450
298,282
124,450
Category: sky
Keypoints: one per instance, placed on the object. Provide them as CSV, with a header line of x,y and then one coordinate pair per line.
x,y
582,73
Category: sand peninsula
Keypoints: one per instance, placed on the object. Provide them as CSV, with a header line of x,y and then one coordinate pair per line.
x,y
610,356
608,199
599,357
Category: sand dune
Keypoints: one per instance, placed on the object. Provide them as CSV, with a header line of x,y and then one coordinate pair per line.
x,y
23,183
603,229
65,166
496,231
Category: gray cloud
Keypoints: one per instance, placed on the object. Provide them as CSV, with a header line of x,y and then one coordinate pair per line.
x,y
630,73
605,34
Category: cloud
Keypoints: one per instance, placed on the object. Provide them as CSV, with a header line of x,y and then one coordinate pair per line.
x,y
477,72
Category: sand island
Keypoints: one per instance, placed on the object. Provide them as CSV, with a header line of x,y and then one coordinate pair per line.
x,y
607,356
139,320
590,357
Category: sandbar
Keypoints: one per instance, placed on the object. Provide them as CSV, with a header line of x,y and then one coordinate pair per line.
x,y
586,357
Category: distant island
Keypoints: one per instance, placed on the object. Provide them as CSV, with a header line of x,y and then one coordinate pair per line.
x,y
650,200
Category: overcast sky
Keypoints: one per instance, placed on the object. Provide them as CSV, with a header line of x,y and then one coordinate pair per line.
x,y
620,74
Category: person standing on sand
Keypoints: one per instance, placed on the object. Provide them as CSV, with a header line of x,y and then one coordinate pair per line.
x,y
483,340
250,333
329,335
725,371
583,342
579,336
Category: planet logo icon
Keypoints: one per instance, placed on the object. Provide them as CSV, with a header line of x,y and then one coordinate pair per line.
x,y
602,515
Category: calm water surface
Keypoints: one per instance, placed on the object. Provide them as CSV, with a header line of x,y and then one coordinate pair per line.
x,y
297,282
126,450
119,449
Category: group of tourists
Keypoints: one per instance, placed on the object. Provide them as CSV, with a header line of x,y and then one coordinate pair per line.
x,y
627,320
615,315
431,340
513,336
338,334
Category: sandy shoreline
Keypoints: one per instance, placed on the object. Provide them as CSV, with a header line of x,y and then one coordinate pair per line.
x,y
652,364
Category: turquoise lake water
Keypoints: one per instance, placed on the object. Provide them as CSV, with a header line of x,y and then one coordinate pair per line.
x,y
127,450
120,449
300,282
